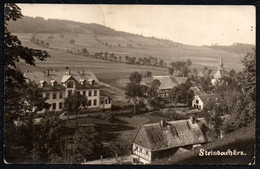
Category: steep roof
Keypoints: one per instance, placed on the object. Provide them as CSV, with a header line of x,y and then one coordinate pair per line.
x,y
168,82
49,87
175,134
219,74
197,91
59,76
200,74
215,98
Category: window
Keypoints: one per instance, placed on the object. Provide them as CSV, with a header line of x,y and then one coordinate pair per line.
x,y
95,102
84,93
95,92
197,101
54,95
140,149
47,95
70,84
89,103
61,95
90,93
78,92
146,152
60,105
108,101
54,106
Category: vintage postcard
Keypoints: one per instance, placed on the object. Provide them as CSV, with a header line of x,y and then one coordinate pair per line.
x,y
129,84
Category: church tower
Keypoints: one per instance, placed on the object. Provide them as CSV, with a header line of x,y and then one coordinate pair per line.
x,y
221,65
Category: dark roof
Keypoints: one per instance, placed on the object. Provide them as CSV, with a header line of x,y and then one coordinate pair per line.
x,y
168,82
197,91
175,134
49,87
59,76
86,85
211,98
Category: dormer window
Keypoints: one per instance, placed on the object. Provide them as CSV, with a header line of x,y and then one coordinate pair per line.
x,y
91,81
70,84
82,81
43,83
53,82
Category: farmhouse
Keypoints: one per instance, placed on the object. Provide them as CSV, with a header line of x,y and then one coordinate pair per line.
x,y
158,140
167,83
200,101
55,86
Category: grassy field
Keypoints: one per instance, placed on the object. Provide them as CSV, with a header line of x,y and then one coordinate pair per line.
x,y
142,47
106,71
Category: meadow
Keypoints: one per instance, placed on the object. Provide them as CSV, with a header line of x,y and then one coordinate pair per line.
x,y
140,47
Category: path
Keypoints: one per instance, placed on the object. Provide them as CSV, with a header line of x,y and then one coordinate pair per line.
x,y
127,159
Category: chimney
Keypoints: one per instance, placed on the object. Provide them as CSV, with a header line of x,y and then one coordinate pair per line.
x,y
68,72
192,119
47,72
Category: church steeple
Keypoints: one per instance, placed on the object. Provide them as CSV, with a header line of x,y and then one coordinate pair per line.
x,y
221,65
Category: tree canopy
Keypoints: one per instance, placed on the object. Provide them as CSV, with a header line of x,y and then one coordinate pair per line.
x,y
20,99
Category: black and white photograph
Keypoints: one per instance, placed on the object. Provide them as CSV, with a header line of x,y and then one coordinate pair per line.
x,y
102,84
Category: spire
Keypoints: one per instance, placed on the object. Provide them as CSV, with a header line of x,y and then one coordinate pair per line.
x,y
221,62
221,65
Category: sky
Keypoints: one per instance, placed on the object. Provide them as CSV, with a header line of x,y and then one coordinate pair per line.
x,y
188,24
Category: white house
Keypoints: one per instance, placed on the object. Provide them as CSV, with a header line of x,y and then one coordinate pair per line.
x,y
56,86
105,102
200,101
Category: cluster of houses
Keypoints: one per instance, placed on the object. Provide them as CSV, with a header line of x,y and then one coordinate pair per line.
x,y
55,86
152,141
164,139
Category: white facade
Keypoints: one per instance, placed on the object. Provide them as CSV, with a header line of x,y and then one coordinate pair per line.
x,y
197,103
141,154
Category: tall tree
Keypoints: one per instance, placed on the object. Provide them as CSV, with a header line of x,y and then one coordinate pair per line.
x,y
74,103
171,71
148,74
14,81
188,62
85,144
135,78
133,89
152,92
181,94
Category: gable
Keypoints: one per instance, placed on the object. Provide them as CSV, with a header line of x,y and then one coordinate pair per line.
x,y
141,139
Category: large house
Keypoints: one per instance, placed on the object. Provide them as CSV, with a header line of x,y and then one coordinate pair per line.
x,y
55,86
200,101
167,83
159,140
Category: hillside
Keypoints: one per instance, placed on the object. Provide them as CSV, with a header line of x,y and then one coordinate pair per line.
x,y
236,48
97,38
